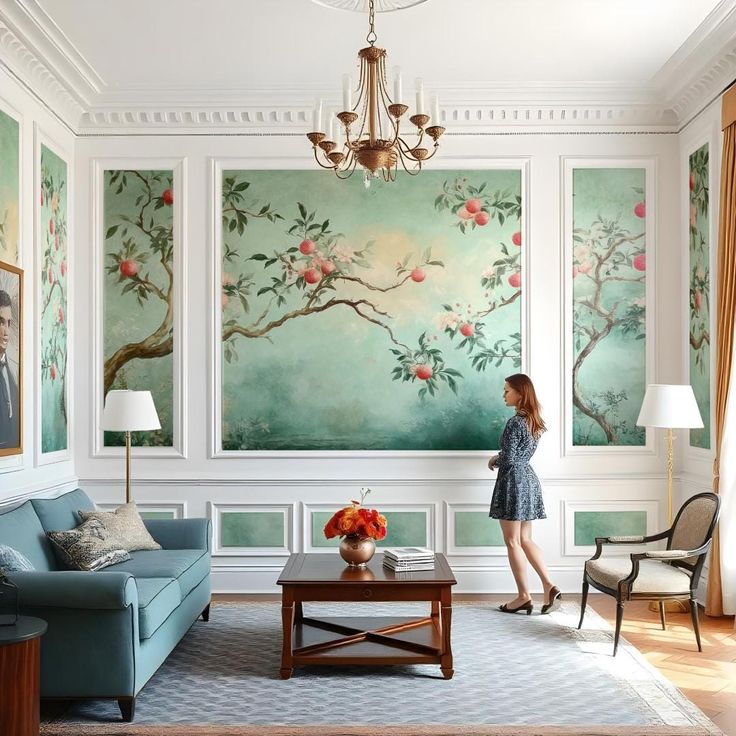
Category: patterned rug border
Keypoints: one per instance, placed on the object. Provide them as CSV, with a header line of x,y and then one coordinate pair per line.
x,y
704,727
121,729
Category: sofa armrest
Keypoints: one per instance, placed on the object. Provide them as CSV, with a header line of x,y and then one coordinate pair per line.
x,y
76,589
180,533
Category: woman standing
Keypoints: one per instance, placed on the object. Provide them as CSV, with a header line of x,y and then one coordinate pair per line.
x,y
517,495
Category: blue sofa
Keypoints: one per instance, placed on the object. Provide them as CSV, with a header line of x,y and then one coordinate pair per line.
x,y
108,631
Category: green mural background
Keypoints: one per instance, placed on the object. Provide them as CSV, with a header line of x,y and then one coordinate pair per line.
x,y
53,230
699,270
9,187
138,294
369,319
609,298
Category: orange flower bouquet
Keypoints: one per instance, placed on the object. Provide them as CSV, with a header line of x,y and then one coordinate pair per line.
x,y
358,527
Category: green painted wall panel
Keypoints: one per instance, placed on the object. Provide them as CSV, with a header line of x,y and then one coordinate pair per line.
x,y
592,524
476,529
252,529
158,514
405,529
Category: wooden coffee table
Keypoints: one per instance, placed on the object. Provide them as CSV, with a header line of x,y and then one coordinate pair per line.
x,y
364,640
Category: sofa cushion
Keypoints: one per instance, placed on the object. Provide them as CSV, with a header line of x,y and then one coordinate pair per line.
x,y
21,530
87,547
125,527
188,566
157,599
60,514
654,576
13,561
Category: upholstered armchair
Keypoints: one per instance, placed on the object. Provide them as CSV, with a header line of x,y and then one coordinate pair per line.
x,y
657,575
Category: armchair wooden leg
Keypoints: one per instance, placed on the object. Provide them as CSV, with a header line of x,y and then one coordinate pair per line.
x,y
127,709
696,623
619,619
584,602
661,615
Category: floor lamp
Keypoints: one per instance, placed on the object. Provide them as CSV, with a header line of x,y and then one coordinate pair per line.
x,y
669,406
129,411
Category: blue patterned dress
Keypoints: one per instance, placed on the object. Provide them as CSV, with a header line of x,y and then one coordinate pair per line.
x,y
517,495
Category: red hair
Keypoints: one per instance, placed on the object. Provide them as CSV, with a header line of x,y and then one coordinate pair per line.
x,y
528,406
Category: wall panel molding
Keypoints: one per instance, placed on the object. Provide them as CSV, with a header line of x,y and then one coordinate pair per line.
x,y
180,233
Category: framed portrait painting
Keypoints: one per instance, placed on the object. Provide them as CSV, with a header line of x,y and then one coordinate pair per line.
x,y
11,351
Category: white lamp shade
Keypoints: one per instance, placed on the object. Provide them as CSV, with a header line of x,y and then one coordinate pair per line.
x,y
129,411
670,406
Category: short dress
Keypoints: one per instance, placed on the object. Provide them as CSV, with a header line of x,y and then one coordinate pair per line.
x,y
517,495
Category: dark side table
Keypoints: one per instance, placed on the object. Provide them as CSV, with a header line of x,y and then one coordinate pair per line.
x,y
20,686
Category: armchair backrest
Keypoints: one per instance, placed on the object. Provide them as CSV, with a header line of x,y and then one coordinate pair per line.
x,y
693,526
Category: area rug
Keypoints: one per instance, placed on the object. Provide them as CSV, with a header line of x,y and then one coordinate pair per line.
x,y
514,676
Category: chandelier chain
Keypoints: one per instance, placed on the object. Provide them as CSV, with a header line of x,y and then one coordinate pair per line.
x,y
371,37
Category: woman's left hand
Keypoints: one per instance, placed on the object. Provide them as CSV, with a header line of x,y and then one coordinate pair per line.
x,y
493,462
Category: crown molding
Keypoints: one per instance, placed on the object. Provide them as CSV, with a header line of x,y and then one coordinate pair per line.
x,y
32,70
38,53
703,66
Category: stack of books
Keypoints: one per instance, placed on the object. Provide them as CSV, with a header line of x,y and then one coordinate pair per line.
x,y
408,559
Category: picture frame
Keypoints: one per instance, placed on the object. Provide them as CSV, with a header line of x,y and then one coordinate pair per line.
x,y
11,355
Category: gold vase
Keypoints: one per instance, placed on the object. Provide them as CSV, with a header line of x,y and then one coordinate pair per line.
x,y
357,550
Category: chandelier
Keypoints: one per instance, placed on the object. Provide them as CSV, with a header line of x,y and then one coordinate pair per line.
x,y
371,127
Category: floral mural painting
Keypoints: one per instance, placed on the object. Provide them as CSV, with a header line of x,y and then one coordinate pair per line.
x,y
139,293
609,305
53,234
9,187
699,270
359,320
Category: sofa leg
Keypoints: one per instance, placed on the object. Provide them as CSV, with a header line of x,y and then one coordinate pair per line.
x,y
206,613
127,709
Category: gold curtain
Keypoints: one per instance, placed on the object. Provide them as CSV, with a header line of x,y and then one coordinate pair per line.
x,y
725,308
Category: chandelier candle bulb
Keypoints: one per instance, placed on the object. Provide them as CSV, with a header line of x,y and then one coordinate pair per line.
x,y
420,96
317,117
347,92
397,86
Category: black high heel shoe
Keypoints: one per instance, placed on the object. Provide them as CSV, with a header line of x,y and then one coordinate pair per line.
x,y
555,600
528,607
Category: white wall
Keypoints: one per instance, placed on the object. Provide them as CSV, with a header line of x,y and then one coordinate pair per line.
x,y
619,477
22,475
695,465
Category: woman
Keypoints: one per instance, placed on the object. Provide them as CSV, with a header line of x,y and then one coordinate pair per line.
x,y
517,495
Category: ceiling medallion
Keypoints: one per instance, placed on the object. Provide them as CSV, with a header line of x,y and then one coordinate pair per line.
x,y
361,6
377,145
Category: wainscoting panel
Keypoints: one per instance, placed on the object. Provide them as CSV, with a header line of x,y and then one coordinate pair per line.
x,y
251,529
584,521
470,532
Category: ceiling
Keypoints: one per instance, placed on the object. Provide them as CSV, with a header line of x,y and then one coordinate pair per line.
x,y
218,46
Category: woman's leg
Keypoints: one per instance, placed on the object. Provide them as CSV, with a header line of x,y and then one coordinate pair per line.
x,y
517,560
534,555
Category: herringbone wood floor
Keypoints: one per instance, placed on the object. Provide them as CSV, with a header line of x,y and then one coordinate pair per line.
x,y
707,678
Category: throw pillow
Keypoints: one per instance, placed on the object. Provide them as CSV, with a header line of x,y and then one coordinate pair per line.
x,y
88,547
125,527
13,561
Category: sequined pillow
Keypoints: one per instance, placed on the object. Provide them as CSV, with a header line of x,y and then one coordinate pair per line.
x,y
88,547
124,526
13,561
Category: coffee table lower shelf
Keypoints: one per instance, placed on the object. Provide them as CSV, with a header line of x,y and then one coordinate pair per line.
x,y
367,640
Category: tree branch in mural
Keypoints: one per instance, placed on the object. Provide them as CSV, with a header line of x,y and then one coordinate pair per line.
x,y
606,254
54,283
315,272
129,262
699,275
474,207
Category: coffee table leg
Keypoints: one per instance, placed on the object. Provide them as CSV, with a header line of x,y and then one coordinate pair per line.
x,y
446,620
287,622
298,611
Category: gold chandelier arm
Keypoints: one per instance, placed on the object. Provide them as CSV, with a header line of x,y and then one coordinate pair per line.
x,y
316,158
345,173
